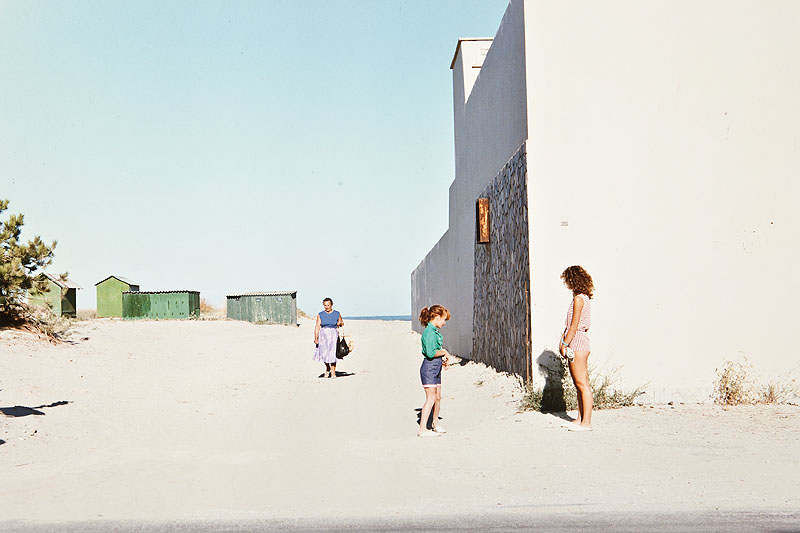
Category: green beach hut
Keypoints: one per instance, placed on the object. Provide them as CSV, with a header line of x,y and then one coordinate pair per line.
x,y
109,295
60,295
263,307
160,304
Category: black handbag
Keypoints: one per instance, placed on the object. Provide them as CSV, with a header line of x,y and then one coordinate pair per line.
x,y
342,349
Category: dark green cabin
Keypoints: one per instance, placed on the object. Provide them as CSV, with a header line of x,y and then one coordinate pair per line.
x,y
60,296
109,295
161,304
264,307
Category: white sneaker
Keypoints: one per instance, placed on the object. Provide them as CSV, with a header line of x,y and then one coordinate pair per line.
x,y
439,429
428,434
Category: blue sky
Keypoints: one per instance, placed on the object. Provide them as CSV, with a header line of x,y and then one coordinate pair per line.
x,y
235,146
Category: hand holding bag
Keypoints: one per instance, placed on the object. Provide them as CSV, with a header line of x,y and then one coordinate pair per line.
x,y
342,349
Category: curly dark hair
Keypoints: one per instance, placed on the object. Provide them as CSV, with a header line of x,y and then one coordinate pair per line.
x,y
578,280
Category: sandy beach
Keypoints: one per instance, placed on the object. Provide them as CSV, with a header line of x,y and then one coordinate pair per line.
x,y
193,421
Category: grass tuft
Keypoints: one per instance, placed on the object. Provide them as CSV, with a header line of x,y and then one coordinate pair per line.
x,y
559,393
737,384
532,399
86,314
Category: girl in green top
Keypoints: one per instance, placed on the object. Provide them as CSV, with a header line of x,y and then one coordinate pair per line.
x,y
434,358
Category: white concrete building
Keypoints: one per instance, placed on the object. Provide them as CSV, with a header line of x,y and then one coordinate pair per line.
x,y
655,143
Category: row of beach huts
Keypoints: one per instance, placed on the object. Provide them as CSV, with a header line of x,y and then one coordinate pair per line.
x,y
120,297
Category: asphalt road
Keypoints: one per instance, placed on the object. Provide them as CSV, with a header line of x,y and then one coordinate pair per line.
x,y
510,520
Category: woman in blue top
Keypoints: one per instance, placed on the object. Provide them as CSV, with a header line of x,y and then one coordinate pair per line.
x,y
434,358
326,333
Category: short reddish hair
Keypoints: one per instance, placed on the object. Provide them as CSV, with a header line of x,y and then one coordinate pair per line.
x,y
428,313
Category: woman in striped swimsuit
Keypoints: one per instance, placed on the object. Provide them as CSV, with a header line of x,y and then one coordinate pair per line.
x,y
576,327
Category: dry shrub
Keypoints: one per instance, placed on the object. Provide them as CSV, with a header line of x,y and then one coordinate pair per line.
x,y
302,314
43,321
737,384
559,393
606,394
532,399
781,391
86,314
209,312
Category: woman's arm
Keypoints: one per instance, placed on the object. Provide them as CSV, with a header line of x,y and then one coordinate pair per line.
x,y
576,318
316,331
340,322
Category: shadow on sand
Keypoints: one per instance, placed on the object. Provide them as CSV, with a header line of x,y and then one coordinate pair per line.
x,y
429,425
551,368
338,374
19,410
562,415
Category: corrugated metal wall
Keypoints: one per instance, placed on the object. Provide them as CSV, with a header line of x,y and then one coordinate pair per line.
x,y
263,308
172,304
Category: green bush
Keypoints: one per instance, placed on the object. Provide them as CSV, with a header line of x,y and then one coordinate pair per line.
x,y
18,264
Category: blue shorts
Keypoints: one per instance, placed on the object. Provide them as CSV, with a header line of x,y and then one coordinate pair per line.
x,y
431,372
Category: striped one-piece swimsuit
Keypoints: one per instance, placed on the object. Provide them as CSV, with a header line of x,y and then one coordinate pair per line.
x,y
580,343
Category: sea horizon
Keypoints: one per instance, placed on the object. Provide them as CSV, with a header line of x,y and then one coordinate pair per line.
x,y
403,318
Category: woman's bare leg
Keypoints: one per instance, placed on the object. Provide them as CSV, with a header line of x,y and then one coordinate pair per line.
x,y
333,370
579,368
580,399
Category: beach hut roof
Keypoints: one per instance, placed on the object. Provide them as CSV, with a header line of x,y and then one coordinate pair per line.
x,y
267,293
65,284
159,292
124,280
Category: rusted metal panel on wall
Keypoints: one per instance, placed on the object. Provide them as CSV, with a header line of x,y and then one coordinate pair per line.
x,y
482,217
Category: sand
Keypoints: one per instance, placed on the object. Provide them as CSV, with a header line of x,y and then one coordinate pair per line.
x,y
223,420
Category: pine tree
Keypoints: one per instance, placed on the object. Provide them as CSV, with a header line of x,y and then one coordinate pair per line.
x,y
18,265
